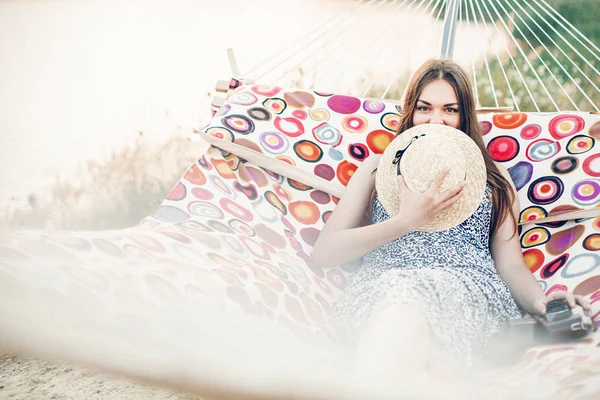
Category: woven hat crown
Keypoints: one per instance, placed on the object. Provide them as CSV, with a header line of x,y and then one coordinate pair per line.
x,y
420,154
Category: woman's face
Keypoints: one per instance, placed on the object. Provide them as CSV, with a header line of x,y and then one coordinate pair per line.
x,y
437,104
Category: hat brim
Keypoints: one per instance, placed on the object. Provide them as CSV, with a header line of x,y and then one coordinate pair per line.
x,y
441,147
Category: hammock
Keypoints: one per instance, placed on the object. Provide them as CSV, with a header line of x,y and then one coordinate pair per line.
x,y
234,235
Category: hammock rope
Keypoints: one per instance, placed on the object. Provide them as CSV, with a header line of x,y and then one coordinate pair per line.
x,y
534,59
556,13
361,17
547,67
566,55
342,18
350,47
365,48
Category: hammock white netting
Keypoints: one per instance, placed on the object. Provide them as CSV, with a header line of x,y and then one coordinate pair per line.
x,y
521,54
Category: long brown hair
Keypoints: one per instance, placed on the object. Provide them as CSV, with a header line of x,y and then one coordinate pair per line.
x,y
502,196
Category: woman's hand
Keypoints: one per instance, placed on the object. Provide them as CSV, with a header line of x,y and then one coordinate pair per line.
x,y
540,304
417,209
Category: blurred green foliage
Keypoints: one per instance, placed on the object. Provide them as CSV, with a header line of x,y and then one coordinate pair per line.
x,y
552,66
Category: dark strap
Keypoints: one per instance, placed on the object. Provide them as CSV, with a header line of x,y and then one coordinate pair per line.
x,y
400,153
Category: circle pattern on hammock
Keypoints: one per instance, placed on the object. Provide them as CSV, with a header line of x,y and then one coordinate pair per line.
x,y
275,105
561,241
324,171
354,124
320,197
194,175
265,90
220,133
534,237
378,140
532,213
509,120
373,106
241,227
305,212
167,213
553,266
545,190
391,121
205,209
273,142
300,114
202,194
581,264
239,124
358,151
591,165
335,154
531,131
542,149
243,98
503,148
299,99
218,184
289,126
327,134
587,192
521,174
344,172
276,202
564,165
319,114
178,192
259,114
308,151
485,127
534,259
343,104
565,125
592,242
580,144
235,209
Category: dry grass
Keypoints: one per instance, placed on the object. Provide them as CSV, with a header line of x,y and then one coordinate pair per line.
x,y
112,194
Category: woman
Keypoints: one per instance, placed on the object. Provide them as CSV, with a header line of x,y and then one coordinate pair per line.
x,y
405,308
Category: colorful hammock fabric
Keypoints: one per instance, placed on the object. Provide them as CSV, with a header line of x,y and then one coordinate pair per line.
x,y
237,230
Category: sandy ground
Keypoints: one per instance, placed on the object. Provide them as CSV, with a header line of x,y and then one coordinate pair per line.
x,y
36,379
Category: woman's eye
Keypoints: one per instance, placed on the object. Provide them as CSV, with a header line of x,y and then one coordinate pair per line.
x,y
452,110
422,108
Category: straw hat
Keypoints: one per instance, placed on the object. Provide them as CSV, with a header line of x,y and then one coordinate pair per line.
x,y
428,149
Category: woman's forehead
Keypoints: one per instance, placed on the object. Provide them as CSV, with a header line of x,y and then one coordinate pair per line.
x,y
438,91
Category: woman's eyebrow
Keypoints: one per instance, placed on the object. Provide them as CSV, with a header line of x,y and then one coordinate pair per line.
x,y
445,105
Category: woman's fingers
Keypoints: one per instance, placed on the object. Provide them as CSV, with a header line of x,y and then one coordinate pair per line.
x,y
583,302
437,182
561,294
451,196
450,193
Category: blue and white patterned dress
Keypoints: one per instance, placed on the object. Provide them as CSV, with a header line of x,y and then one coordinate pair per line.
x,y
449,275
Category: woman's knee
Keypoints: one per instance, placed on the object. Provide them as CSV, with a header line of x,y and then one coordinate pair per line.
x,y
408,317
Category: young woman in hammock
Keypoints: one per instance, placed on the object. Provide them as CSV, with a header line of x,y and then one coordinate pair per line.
x,y
409,307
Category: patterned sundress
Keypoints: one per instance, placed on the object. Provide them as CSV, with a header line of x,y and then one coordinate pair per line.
x,y
449,275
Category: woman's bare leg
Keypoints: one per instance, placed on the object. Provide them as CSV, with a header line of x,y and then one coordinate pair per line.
x,y
396,342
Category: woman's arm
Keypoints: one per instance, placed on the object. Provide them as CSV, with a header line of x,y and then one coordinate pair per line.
x,y
342,240
508,257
